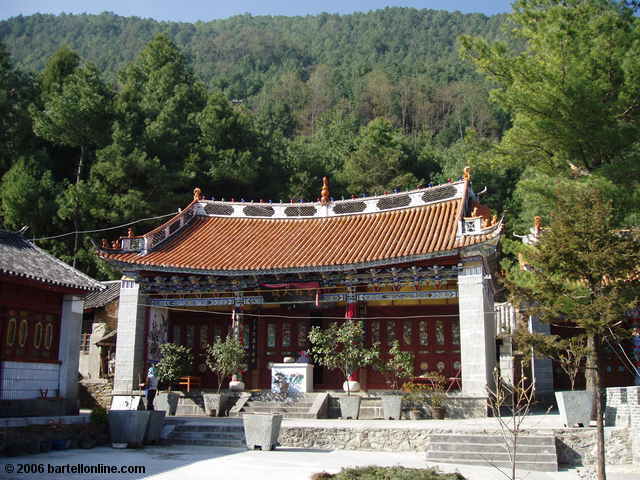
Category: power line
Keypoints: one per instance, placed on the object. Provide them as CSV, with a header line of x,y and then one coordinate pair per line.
x,y
310,317
103,229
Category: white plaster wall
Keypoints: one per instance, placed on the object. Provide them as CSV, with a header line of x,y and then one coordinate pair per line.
x,y
24,380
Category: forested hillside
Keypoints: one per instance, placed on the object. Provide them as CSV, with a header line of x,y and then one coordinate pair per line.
x,y
106,119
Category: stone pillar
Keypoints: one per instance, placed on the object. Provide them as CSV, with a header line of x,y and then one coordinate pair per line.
x,y
542,368
98,331
69,351
130,343
633,400
477,328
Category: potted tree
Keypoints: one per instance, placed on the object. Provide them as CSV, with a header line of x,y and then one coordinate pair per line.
x,y
176,361
396,370
570,354
415,396
436,395
224,358
341,347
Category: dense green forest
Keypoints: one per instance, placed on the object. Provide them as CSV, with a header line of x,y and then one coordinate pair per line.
x,y
107,119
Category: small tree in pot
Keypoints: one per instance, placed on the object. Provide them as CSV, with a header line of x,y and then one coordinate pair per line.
x,y
395,370
571,355
341,347
176,361
224,358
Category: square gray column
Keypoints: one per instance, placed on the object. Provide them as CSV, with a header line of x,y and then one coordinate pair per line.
x,y
477,329
69,351
130,342
541,367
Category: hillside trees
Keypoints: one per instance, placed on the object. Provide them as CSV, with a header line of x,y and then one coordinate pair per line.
x,y
575,109
17,90
154,131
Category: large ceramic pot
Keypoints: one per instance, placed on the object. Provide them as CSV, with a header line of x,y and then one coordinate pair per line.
x,y
351,386
128,426
392,406
154,428
438,413
167,401
350,406
261,430
575,407
216,404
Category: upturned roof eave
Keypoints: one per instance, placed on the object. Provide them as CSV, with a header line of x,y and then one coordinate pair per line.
x,y
141,267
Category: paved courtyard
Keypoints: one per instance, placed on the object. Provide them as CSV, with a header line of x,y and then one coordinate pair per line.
x,y
198,462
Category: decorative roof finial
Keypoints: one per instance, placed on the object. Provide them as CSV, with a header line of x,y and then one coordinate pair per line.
x,y
537,223
197,194
467,174
104,244
325,198
130,232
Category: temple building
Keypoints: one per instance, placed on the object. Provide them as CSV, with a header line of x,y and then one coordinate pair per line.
x,y
416,266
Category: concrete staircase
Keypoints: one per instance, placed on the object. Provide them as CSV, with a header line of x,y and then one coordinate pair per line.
x,y
215,435
304,405
534,452
190,405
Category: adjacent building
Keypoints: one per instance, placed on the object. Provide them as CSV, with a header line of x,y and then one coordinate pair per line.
x,y
41,305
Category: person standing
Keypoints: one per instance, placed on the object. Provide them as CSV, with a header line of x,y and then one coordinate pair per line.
x,y
150,386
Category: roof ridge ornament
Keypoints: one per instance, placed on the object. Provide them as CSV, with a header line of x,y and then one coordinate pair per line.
x,y
467,174
325,198
537,224
197,194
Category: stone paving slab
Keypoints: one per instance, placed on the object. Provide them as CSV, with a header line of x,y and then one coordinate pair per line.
x,y
205,463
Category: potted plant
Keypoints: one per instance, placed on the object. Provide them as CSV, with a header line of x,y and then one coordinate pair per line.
x,y
436,395
415,398
224,358
176,361
395,370
341,347
575,406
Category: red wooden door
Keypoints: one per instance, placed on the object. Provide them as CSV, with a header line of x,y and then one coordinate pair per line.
x,y
284,334
432,334
197,331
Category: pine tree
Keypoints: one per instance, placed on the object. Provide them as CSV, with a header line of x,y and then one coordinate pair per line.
x,y
584,272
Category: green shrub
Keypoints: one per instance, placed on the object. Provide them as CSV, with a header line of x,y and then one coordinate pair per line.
x,y
391,473
176,361
98,416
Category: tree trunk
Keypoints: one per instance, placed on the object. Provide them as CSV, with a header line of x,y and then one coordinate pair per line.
x,y
76,214
594,343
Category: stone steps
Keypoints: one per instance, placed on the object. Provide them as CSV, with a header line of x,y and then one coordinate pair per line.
x,y
301,406
231,436
535,452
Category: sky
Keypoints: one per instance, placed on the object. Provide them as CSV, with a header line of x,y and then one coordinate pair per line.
x,y
205,10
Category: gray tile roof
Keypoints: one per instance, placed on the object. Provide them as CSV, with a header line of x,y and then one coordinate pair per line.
x,y
102,297
21,258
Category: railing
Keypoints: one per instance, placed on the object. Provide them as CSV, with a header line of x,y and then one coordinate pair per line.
x,y
505,315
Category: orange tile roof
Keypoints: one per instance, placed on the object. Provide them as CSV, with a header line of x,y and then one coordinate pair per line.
x,y
232,244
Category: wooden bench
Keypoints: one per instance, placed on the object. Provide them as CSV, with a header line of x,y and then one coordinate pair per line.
x,y
190,381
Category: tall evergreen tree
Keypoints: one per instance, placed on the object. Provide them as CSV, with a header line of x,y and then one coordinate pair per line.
x,y
582,272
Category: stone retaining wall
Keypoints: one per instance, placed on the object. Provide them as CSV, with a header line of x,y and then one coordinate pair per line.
x,y
383,439
576,447
623,410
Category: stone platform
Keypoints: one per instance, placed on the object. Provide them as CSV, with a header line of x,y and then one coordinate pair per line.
x,y
574,446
